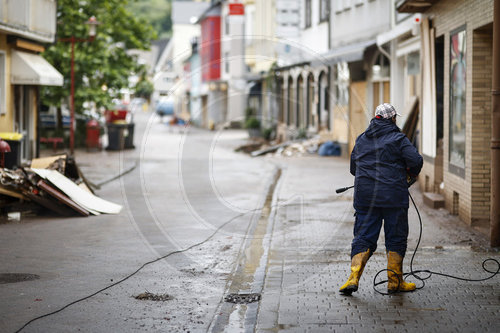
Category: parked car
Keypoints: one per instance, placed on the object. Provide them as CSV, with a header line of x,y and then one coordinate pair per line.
x,y
165,107
48,117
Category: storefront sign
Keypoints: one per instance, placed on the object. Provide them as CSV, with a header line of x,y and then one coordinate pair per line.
x,y
236,9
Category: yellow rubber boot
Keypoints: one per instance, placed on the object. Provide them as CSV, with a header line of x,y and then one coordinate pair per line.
x,y
358,263
395,264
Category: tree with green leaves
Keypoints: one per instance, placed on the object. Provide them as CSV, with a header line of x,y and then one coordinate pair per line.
x,y
102,67
157,12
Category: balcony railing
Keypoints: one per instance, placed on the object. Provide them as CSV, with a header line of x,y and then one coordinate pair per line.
x,y
33,19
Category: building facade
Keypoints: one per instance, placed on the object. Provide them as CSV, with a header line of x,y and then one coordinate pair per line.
x,y
261,55
360,70
214,99
340,75
193,77
184,30
326,65
25,26
456,107
303,75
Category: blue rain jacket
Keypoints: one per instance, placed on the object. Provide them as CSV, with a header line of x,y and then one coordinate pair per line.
x,y
379,162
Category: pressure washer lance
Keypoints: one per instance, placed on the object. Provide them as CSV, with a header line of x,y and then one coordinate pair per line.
x,y
409,179
414,273
343,189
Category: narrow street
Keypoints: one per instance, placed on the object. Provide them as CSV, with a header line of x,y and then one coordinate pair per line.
x,y
170,204
215,135
270,226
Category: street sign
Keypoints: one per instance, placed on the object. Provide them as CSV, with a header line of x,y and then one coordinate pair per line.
x,y
236,9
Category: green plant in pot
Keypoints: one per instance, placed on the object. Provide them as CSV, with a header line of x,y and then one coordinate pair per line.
x,y
252,124
267,133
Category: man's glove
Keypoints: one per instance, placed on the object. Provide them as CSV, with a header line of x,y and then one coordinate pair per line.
x,y
410,179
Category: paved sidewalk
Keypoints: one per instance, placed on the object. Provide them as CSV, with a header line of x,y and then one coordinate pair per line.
x,y
309,261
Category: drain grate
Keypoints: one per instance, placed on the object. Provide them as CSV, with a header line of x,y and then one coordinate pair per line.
x,y
147,296
242,298
17,277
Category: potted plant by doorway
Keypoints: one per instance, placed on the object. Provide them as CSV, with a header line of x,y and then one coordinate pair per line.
x,y
252,124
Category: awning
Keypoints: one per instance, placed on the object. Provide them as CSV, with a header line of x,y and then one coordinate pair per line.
x,y
32,69
414,6
408,46
348,53
400,29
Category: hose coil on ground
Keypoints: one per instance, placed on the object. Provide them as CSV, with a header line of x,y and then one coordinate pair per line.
x,y
415,273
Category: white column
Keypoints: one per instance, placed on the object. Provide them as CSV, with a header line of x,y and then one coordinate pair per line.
x,y
397,82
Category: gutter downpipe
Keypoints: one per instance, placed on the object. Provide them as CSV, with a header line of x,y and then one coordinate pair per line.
x,y
495,131
384,52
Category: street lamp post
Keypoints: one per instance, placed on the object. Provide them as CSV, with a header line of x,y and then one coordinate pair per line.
x,y
92,22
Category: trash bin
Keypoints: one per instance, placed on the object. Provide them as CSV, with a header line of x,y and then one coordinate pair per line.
x,y
116,136
14,140
120,136
129,136
115,115
93,134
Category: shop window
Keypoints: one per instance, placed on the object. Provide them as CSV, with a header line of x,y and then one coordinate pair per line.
x,y
342,84
458,66
413,61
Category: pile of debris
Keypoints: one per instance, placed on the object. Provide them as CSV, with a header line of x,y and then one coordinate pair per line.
x,y
51,183
289,148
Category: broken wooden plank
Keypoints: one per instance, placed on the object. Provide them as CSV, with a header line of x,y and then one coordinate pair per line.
x,y
48,203
410,126
47,162
85,199
270,149
11,193
62,198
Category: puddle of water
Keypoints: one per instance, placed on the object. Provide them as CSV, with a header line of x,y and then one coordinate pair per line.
x,y
236,321
250,274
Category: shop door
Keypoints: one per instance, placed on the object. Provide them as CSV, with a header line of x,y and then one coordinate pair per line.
x,y
24,120
438,161
381,93
358,117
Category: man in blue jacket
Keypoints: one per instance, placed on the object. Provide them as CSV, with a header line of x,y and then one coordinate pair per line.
x,y
381,160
